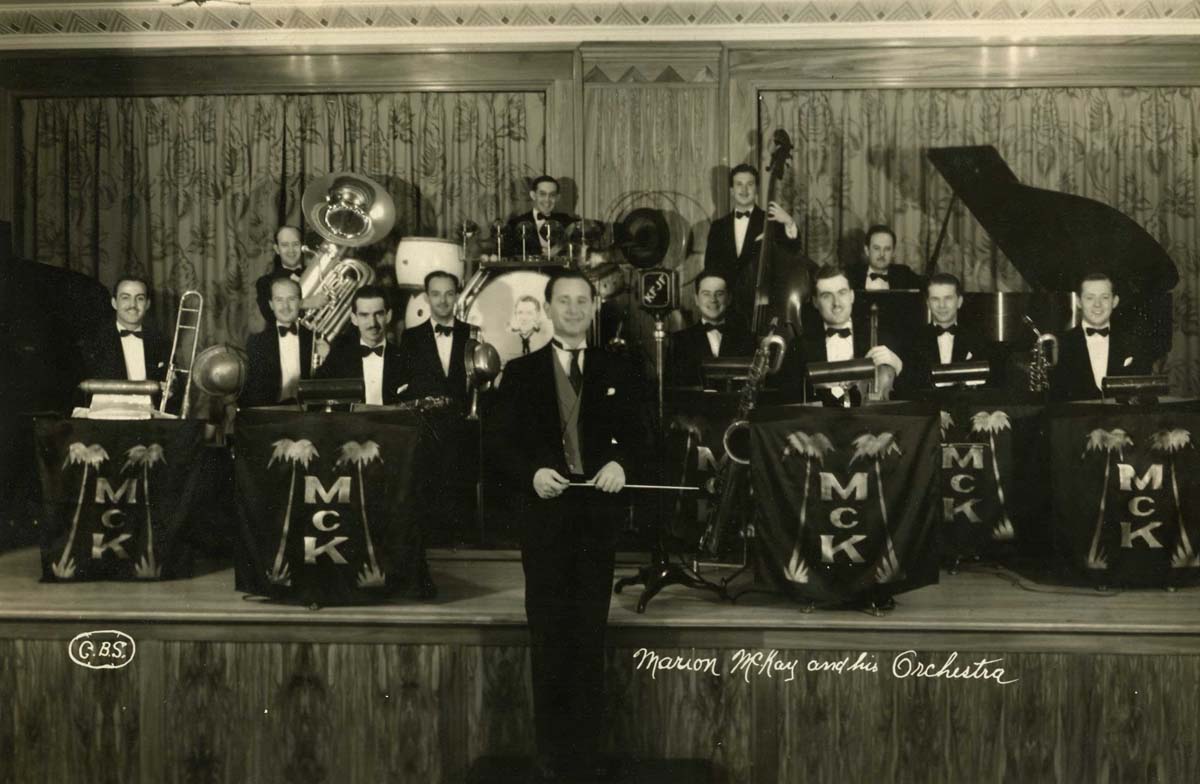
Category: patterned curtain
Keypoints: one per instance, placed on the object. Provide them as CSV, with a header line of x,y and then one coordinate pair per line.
x,y
860,159
188,191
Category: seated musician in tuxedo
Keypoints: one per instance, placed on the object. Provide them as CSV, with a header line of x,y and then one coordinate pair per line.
x,y
131,349
369,354
881,272
288,263
840,338
281,355
1095,349
945,340
735,240
543,193
712,336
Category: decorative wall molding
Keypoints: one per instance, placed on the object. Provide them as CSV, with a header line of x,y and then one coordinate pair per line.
x,y
210,24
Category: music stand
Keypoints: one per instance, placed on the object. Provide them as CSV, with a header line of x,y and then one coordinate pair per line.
x,y
724,372
844,373
1134,390
329,394
960,374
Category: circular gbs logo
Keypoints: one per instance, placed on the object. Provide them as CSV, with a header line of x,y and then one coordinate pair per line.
x,y
107,649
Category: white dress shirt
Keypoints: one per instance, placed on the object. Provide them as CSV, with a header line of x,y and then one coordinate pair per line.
x,y
740,226
1097,346
945,343
539,222
876,284
444,344
372,367
289,363
134,351
564,356
839,349
714,337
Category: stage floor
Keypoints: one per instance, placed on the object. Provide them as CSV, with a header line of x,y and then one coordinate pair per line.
x,y
480,599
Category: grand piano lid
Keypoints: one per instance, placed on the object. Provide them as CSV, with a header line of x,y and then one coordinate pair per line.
x,y
1052,238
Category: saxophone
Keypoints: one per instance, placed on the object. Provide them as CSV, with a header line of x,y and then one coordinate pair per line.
x,y
727,483
1045,356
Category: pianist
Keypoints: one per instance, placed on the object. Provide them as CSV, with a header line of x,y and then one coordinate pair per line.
x,y
1096,348
944,340
881,273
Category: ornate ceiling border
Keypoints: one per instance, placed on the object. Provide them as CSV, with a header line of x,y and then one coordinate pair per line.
x,y
209,24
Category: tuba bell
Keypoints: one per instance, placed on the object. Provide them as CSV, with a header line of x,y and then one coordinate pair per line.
x,y
348,210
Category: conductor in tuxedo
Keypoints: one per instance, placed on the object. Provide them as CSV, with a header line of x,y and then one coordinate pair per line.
x,y
735,240
369,355
881,272
570,413
281,355
712,336
840,338
131,349
944,341
1095,349
433,354
543,193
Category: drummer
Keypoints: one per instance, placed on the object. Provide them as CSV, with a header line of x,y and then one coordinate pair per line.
x,y
543,194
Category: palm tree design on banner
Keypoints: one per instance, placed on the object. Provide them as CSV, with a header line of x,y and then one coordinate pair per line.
x,y
363,454
1106,441
1169,443
89,456
945,423
878,447
145,457
293,452
993,422
813,449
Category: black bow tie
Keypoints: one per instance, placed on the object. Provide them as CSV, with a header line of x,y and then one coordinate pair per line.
x,y
877,276
1102,332
740,214
713,327
540,216
844,332
441,329
287,330
952,329
126,332
367,351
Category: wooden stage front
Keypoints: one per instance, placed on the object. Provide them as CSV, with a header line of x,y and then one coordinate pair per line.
x,y
225,688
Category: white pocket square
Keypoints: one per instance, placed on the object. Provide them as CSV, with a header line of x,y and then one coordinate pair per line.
x,y
1128,361
969,355
610,391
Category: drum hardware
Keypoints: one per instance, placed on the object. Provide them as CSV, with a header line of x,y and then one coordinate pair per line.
x,y
1045,357
187,319
524,229
416,257
643,237
348,210
466,230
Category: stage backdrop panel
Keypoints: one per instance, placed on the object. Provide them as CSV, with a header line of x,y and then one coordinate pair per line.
x,y
117,497
1126,484
329,506
848,500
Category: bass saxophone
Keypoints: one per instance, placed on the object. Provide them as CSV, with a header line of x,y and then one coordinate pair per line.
x,y
730,475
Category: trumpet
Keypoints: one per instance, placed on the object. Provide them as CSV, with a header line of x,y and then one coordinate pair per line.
x,y
187,319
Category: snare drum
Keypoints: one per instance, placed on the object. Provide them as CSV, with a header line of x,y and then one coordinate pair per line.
x,y
416,257
507,306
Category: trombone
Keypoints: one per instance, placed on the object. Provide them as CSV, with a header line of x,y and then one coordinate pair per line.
x,y
187,318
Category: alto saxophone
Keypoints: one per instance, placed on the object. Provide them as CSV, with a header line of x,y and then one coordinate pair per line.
x,y
768,358
1045,356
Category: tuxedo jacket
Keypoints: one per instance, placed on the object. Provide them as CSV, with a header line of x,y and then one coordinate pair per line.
x,y
1072,378
690,347
922,356
418,352
263,374
811,348
900,277
262,288
740,270
345,361
531,429
103,358
533,245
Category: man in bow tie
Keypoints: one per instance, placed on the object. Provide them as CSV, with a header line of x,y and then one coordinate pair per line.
x,y
712,336
132,349
840,338
288,263
945,340
735,240
881,273
568,414
1095,349
281,355
369,355
543,193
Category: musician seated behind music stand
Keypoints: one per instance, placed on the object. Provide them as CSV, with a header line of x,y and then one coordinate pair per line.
x,y
132,349
281,355
839,339
543,194
881,272
1095,349
712,336
368,354
945,340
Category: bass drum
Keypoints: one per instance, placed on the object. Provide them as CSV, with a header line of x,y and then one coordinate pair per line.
x,y
416,257
508,306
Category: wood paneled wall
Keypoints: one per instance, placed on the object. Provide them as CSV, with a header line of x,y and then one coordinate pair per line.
x,y
188,711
